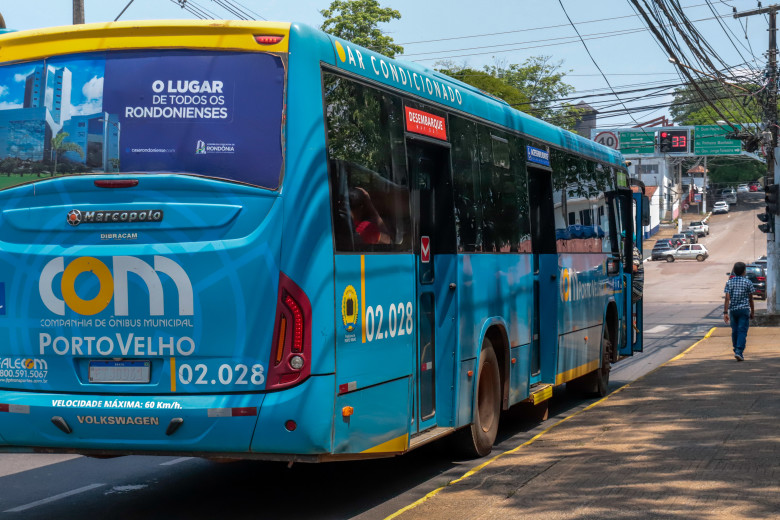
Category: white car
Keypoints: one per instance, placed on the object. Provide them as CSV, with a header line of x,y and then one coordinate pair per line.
x,y
720,207
699,227
743,188
729,196
688,252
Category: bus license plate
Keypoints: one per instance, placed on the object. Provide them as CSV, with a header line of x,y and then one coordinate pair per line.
x,y
119,371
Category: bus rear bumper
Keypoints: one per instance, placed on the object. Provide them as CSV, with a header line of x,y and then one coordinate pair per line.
x,y
201,425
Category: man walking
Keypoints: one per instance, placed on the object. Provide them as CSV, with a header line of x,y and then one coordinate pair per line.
x,y
738,307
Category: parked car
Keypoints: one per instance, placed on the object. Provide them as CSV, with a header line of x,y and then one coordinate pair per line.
x,y
761,261
667,241
729,195
660,250
688,252
757,275
699,227
743,188
692,236
753,186
720,207
680,239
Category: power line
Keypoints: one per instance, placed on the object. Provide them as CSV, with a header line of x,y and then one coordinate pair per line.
x,y
591,56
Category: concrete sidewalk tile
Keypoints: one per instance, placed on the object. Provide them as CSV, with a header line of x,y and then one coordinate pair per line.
x,y
697,438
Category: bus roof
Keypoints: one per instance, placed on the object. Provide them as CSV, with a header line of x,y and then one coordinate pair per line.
x,y
413,78
158,34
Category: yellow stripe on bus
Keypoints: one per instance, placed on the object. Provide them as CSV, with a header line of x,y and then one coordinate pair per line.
x,y
158,34
363,297
574,373
173,374
393,445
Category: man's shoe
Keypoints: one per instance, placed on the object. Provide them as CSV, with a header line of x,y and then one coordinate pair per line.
x,y
738,357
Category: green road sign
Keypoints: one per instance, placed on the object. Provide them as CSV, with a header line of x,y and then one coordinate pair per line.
x,y
711,140
636,142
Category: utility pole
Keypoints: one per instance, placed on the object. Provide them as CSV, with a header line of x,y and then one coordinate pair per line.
x,y
773,172
78,12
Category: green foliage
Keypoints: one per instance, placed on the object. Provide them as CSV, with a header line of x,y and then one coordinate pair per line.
x,y
60,146
733,170
357,20
532,87
488,83
735,104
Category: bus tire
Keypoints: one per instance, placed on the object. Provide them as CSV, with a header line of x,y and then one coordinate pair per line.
x,y
595,383
476,440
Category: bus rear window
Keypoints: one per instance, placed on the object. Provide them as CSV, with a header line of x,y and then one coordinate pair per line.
x,y
217,114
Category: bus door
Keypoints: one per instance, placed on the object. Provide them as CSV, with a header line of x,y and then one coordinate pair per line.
x,y
641,206
546,284
624,250
435,248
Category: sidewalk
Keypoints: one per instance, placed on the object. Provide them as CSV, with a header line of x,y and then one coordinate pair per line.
x,y
697,438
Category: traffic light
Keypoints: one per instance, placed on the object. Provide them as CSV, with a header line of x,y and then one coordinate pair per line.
x,y
771,199
664,142
768,222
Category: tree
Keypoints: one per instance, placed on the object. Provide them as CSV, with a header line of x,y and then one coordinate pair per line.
x,y
59,146
541,80
487,82
736,104
532,87
357,21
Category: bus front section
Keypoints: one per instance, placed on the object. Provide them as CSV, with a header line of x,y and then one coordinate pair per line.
x,y
143,304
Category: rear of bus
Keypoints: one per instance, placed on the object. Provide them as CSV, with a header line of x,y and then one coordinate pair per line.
x,y
151,300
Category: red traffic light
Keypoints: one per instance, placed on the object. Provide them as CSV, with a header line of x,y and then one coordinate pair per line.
x,y
664,134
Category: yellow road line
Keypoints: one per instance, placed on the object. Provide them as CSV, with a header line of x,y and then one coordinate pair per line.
x,y
535,437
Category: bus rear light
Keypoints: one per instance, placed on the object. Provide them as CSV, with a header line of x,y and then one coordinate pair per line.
x,y
232,412
116,183
268,39
291,350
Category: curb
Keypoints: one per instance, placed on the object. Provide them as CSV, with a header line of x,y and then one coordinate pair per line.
x,y
533,439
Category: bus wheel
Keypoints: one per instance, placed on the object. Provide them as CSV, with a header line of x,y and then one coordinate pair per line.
x,y
477,439
602,374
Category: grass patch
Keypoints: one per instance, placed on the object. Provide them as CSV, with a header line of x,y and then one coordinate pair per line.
x,y
15,178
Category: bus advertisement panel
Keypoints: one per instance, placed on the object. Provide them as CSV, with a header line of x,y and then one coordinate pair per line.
x,y
209,113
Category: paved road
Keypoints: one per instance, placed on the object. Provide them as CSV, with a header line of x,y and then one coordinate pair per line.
x,y
682,303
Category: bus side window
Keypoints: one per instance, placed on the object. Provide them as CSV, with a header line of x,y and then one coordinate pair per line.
x,y
367,165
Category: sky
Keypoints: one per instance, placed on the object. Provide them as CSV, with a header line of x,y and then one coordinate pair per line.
x,y
480,33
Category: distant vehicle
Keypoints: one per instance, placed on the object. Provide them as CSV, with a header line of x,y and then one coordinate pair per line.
x,y
667,241
720,207
743,188
757,275
680,239
688,252
660,250
700,227
753,186
730,196
761,261
692,236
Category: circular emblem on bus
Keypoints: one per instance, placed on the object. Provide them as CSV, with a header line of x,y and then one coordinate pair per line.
x,y
565,285
349,308
74,217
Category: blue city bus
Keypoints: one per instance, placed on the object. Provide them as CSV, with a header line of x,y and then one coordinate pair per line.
x,y
256,240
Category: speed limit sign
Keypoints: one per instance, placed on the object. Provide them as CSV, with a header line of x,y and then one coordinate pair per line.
x,y
608,139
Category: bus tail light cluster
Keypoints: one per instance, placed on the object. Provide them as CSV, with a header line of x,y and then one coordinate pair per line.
x,y
268,39
291,342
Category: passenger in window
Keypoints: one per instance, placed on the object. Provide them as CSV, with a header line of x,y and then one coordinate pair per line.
x,y
369,225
